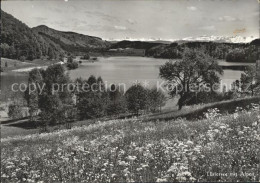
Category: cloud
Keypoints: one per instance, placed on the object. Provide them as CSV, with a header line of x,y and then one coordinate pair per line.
x,y
192,8
255,14
40,20
101,15
208,28
131,21
118,27
227,19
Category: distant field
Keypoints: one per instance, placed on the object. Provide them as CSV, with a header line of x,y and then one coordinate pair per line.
x,y
13,64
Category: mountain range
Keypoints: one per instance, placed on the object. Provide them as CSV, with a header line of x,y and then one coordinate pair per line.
x,y
205,38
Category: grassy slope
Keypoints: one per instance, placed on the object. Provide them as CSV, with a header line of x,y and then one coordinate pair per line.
x,y
27,64
129,150
190,112
228,106
11,64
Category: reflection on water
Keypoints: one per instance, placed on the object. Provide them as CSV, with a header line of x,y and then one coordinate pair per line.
x,y
116,70
128,69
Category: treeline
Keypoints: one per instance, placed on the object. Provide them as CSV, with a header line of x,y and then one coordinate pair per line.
x,y
230,52
52,98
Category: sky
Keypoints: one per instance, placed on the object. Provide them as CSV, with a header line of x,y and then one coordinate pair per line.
x,y
141,19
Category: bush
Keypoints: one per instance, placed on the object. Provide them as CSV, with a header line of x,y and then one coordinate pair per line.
x,y
86,57
72,65
22,58
15,111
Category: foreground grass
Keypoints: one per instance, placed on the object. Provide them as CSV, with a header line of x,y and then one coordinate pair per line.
x,y
132,150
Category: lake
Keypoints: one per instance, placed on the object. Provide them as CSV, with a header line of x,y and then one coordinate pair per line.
x,y
116,70
129,69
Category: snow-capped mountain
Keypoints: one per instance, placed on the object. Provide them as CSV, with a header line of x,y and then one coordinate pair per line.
x,y
223,39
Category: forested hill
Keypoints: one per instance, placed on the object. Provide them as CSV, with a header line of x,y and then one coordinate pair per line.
x,y
233,52
135,44
18,41
71,41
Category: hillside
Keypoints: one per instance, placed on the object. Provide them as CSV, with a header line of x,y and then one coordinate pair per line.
x,y
233,52
256,42
18,41
136,151
134,44
71,41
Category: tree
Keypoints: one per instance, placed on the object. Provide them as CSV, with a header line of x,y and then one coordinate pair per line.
x,y
86,57
35,80
93,101
51,54
22,58
137,98
250,80
71,64
53,98
117,102
186,76
236,55
157,99
70,59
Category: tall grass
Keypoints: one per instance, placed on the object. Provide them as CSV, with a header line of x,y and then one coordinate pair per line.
x,y
133,151
197,112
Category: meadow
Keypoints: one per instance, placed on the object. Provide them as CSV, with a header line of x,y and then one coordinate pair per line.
x,y
218,148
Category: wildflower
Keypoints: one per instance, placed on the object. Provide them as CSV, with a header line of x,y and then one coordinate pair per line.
x,y
189,142
161,180
131,158
240,133
144,165
254,124
122,163
235,115
139,169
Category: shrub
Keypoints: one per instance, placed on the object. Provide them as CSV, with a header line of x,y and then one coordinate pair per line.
x,y
72,65
15,111
86,57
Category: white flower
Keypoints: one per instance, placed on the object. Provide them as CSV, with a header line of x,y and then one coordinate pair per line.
x,y
189,142
144,165
131,158
161,180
